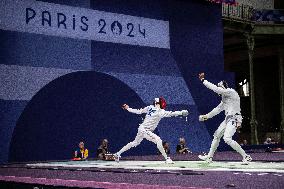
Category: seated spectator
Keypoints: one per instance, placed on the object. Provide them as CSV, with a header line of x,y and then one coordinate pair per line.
x,y
181,147
103,149
244,143
166,147
81,153
269,141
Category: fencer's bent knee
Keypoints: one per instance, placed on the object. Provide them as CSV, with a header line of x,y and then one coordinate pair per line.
x,y
228,140
217,136
134,143
158,141
159,144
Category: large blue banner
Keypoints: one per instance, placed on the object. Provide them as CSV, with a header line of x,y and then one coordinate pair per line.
x,y
61,84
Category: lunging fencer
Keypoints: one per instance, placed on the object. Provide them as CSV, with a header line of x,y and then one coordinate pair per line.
x,y
154,113
230,103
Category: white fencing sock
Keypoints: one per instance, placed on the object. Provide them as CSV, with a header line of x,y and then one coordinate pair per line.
x,y
161,149
235,146
214,146
127,147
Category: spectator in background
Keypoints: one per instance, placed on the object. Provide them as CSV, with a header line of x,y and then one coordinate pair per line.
x,y
103,149
166,147
181,147
244,143
269,141
81,153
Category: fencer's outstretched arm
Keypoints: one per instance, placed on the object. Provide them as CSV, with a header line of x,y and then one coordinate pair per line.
x,y
215,111
138,111
211,86
216,89
175,113
135,111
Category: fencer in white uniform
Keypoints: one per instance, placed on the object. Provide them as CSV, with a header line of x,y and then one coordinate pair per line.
x,y
230,103
154,113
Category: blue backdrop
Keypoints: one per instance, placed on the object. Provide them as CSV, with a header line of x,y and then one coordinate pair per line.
x,y
62,90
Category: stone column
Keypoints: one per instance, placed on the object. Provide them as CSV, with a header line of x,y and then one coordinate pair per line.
x,y
253,121
281,87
